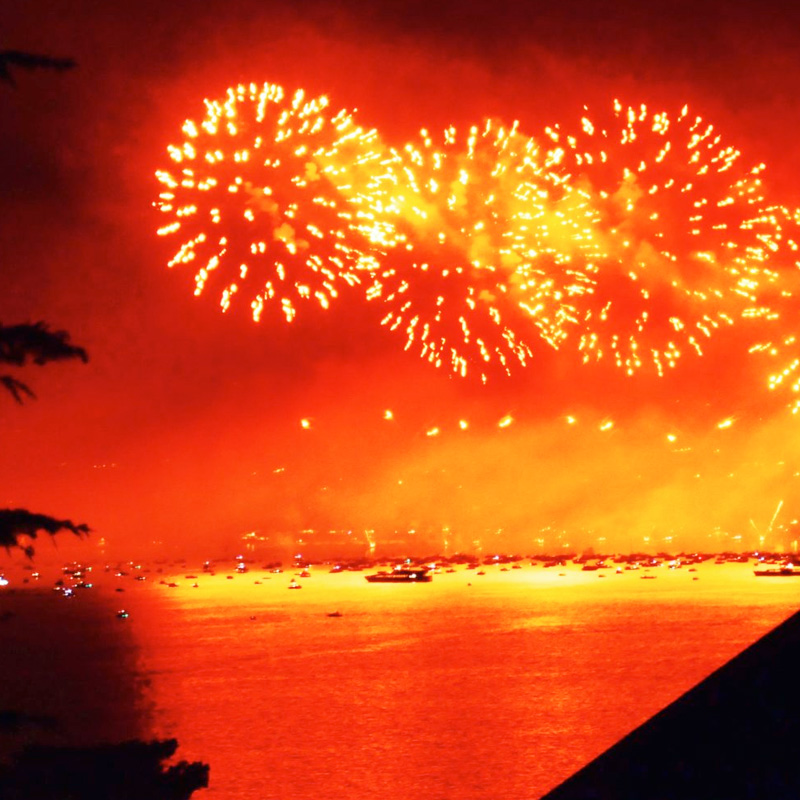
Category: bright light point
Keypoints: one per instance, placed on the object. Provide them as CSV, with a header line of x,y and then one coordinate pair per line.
x,y
305,424
432,432
671,437
506,421
463,424
571,420
607,425
388,414
726,423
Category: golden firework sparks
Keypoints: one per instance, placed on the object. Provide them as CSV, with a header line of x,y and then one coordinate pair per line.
x,y
674,233
252,194
443,212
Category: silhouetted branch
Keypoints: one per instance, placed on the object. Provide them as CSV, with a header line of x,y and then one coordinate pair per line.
x,y
16,58
17,388
127,771
19,343
34,343
16,522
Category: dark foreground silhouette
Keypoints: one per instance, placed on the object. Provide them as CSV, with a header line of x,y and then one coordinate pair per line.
x,y
734,736
17,522
128,771
33,343
18,59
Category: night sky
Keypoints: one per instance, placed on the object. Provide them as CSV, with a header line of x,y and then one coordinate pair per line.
x,y
185,426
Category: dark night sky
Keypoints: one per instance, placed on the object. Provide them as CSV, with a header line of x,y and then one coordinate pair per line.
x,y
174,430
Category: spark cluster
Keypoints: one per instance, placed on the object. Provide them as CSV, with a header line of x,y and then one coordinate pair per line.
x,y
252,194
442,210
674,235
634,238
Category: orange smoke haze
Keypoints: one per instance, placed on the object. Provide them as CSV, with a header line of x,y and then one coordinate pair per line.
x,y
185,430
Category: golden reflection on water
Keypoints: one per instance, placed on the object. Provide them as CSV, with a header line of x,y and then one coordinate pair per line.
x,y
498,685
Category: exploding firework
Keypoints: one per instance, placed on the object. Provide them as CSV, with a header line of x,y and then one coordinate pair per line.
x,y
638,237
255,195
450,217
780,343
672,234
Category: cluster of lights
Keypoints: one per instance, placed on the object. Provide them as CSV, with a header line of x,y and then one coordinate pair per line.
x,y
633,239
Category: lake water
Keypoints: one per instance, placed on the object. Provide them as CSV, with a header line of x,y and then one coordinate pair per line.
x,y
493,686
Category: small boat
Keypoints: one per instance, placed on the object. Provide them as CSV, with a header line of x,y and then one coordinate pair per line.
x,y
401,575
122,614
777,572
334,613
295,585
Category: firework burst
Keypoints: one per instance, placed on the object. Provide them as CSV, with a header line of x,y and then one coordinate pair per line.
x,y
638,236
780,343
446,215
254,193
670,230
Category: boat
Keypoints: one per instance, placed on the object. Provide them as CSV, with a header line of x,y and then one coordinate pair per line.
x,y
401,575
777,572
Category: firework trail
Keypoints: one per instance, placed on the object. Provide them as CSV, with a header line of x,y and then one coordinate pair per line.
x,y
254,193
672,231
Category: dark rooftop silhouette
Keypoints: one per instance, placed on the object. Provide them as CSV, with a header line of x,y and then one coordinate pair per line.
x,y
734,736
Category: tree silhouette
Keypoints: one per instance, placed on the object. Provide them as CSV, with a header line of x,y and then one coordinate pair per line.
x,y
16,522
33,343
129,770
20,345
16,58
